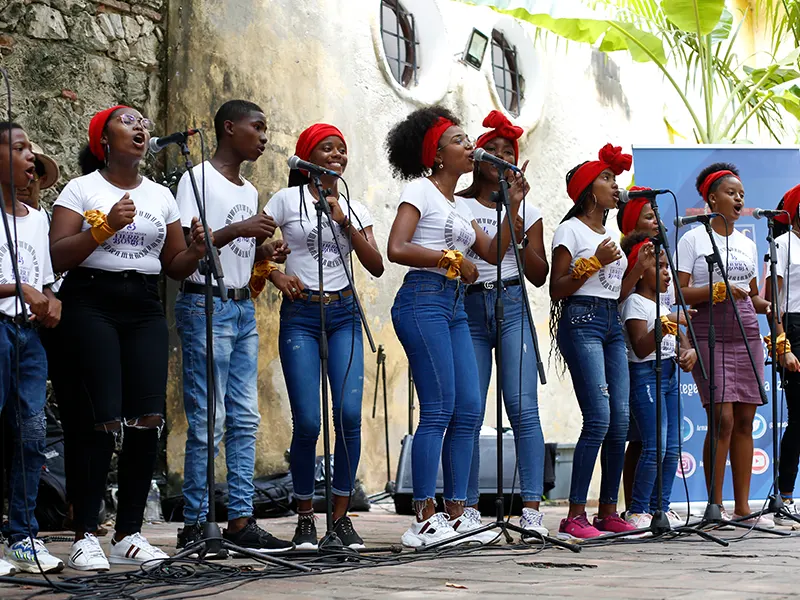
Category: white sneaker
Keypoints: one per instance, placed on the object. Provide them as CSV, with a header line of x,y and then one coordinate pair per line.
x,y
471,519
639,520
725,517
6,568
28,556
675,520
532,519
764,521
134,549
792,508
434,529
87,555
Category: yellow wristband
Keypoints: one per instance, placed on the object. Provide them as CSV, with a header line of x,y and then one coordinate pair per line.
x,y
668,327
100,228
258,279
783,345
720,292
451,260
586,266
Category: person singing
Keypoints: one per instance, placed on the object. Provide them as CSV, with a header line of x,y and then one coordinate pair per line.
x,y
519,361
350,229
116,231
585,329
431,233
737,389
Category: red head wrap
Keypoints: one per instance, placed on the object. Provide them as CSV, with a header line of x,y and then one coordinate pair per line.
x,y
611,157
96,126
503,128
711,178
312,136
633,255
430,144
791,201
633,210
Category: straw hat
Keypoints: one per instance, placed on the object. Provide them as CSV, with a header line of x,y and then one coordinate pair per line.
x,y
51,173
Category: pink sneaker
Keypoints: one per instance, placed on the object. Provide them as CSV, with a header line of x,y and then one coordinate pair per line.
x,y
577,528
613,523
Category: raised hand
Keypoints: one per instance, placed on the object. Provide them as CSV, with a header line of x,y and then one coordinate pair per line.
x,y
260,226
607,252
122,213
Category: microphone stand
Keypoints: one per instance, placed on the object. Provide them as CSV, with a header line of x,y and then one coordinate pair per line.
x,y
380,377
500,522
713,514
212,542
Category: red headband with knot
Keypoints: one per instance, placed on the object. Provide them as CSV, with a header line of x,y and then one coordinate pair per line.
x,y
711,178
430,144
312,136
96,126
503,128
633,210
633,255
611,157
791,201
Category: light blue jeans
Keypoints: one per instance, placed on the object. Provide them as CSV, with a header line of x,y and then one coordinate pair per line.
x,y
429,319
235,370
591,340
520,378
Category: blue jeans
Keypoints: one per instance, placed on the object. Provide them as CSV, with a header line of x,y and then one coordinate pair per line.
x,y
643,391
299,351
31,387
429,319
520,379
591,340
235,372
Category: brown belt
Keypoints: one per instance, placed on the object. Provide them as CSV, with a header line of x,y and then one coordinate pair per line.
x,y
327,297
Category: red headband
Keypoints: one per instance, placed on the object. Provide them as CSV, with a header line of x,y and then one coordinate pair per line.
x,y
611,157
711,178
430,144
96,126
312,136
503,128
633,210
791,201
633,255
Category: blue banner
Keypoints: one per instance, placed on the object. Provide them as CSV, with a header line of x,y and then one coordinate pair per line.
x,y
767,173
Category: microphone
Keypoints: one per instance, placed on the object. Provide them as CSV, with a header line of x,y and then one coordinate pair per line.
x,y
157,144
681,221
297,163
628,195
760,213
482,155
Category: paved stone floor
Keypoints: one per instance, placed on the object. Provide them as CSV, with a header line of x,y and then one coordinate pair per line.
x,y
758,566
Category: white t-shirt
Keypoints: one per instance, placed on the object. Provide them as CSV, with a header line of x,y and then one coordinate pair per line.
x,y
226,203
299,230
33,256
486,218
789,271
442,225
643,309
582,242
694,246
138,246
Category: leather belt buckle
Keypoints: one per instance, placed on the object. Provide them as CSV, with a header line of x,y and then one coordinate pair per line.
x,y
326,298
488,285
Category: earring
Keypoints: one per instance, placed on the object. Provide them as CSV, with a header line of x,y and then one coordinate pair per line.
x,y
106,153
588,212
441,165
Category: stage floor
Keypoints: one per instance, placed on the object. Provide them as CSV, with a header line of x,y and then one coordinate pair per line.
x,y
758,566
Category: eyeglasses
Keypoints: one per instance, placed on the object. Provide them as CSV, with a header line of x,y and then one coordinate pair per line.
x,y
461,140
130,120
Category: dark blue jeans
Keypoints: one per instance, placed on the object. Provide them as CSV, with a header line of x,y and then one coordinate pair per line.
x,y
643,408
591,340
520,379
26,418
298,346
429,319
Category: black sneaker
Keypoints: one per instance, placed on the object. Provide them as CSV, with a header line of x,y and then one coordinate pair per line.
x,y
345,531
194,533
252,537
305,534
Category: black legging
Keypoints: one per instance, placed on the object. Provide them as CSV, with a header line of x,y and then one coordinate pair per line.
x,y
790,442
114,338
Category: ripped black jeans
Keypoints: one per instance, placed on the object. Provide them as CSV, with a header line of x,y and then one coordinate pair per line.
x,y
113,334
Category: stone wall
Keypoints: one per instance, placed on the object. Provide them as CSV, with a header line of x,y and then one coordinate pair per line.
x,y
69,58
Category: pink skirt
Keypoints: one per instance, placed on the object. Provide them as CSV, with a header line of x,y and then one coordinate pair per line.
x,y
733,373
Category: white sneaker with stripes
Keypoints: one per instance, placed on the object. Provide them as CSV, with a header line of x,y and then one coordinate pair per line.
x,y
87,555
134,549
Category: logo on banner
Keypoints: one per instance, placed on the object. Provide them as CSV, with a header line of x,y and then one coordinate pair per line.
x,y
759,427
760,461
688,429
688,465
